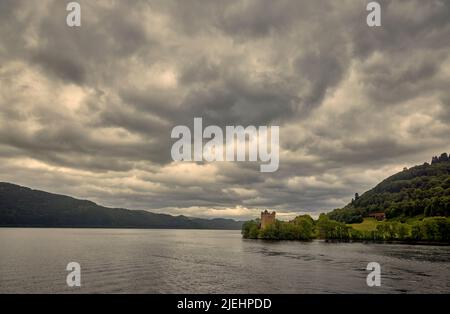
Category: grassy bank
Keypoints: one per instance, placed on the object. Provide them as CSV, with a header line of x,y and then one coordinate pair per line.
x,y
368,224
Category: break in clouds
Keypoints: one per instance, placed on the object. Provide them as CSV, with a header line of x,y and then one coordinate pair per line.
x,y
88,111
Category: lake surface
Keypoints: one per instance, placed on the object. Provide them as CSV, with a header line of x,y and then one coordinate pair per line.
x,y
210,261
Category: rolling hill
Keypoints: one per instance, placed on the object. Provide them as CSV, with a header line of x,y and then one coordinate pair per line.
x,y
24,207
418,191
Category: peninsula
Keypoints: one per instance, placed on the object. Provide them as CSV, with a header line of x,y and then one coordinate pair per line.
x,y
412,205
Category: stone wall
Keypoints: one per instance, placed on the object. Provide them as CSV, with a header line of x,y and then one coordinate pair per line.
x,y
267,218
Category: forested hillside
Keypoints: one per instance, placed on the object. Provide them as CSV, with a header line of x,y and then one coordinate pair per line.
x,y
420,190
24,207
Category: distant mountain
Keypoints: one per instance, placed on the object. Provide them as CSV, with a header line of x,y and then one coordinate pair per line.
x,y
24,207
420,190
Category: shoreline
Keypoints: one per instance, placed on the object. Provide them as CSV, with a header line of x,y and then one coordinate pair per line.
x,y
405,242
394,242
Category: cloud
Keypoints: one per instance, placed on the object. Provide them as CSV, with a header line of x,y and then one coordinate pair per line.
x,y
88,111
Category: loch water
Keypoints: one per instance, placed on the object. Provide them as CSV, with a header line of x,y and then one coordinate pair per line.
x,y
210,261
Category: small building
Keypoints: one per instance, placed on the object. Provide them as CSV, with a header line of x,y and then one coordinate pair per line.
x,y
378,216
267,218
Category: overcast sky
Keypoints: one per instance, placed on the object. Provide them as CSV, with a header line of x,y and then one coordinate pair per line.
x,y
88,111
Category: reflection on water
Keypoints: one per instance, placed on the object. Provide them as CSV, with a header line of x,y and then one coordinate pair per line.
x,y
210,261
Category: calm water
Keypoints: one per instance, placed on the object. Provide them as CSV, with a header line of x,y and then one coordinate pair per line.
x,y
199,261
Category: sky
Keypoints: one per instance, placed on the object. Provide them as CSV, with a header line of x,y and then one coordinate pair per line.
x,y
88,111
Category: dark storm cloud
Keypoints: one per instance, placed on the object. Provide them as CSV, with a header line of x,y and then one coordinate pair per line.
x,y
60,66
88,111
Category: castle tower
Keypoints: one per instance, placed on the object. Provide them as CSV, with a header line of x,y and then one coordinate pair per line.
x,y
267,218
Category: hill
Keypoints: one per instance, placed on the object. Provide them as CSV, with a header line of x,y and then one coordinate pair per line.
x,y
421,190
24,207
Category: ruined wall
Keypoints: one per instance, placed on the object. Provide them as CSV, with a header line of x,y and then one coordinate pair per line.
x,y
267,219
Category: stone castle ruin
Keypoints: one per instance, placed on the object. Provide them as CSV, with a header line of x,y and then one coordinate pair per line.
x,y
267,218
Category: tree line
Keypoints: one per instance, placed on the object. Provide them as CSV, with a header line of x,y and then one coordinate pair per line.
x,y
304,228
